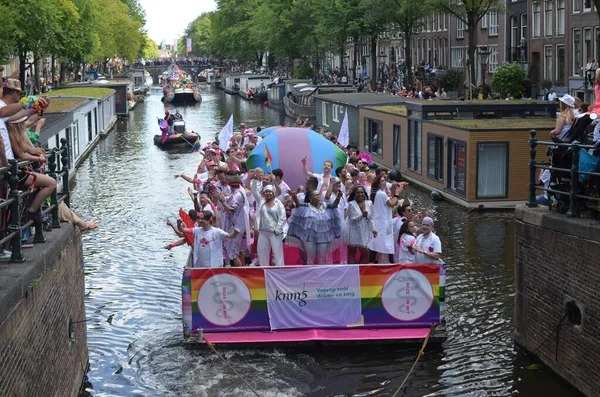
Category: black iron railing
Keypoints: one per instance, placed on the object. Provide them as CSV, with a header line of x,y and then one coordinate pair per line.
x,y
576,192
58,168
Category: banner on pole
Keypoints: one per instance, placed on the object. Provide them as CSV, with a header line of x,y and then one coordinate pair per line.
x,y
189,45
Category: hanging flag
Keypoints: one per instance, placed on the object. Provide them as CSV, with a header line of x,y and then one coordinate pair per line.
x,y
268,157
189,45
226,134
344,135
164,127
175,46
196,145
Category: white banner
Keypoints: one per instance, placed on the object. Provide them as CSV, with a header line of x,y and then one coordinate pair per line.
x,y
313,297
344,135
226,134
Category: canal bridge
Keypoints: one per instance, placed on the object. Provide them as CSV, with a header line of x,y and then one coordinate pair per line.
x,y
192,70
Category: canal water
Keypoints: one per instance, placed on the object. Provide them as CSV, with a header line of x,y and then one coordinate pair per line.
x,y
133,289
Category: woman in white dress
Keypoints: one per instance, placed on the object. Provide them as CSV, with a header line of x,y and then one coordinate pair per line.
x,y
358,226
383,233
405,252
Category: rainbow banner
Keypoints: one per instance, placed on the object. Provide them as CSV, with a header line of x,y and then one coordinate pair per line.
x,y
235,299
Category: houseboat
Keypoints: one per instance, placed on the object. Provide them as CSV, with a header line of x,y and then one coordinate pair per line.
x,y
247,306
230,83
254,86
275,95
474,153
299,101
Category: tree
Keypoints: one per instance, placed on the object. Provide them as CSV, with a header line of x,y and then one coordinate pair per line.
x,y
510,79
407,17
149,48
470,13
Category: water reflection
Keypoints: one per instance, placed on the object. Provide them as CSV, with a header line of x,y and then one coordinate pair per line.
x,y
133,288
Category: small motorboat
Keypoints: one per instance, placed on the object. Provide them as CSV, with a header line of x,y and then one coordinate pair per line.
x,y
176,136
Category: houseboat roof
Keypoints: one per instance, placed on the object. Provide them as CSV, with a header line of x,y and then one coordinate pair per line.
x,y
499,124
360,99
82,91
256,76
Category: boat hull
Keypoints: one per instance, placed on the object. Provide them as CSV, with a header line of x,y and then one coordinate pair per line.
x,y
294,110
321,304
182,96
259,97
176,140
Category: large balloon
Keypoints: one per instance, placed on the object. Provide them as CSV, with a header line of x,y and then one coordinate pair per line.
x,y
267,131
287,146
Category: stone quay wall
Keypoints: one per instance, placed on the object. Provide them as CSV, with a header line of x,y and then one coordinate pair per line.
x,y
40,354
557,302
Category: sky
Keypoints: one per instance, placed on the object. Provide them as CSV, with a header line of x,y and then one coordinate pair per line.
x,y
167,19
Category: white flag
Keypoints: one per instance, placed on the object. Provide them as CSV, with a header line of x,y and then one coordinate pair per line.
x,y
344,135
226,134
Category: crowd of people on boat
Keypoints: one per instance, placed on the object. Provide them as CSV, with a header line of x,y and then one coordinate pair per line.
x,y
355,213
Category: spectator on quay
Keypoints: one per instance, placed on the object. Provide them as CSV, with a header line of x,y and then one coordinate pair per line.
x,y
566,117
11,107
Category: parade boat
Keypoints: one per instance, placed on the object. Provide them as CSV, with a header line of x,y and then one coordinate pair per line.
x,y
179,88
175,135
249,306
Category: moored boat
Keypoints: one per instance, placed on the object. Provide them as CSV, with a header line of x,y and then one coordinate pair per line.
x,y
313,304
254,86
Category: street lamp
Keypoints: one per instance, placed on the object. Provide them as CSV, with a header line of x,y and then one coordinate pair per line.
x,y
484,53
382,56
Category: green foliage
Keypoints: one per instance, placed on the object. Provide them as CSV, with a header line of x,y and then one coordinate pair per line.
x,y
546,84
149,48
510,79
303,71
450,80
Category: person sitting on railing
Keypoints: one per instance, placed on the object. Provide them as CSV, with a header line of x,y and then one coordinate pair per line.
x,y
566,117
10,107
21,144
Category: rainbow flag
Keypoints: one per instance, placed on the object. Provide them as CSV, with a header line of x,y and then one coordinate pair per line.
x,y
164,128
196,145
268,157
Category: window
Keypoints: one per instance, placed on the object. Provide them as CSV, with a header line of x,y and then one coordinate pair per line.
x,y
560,63
75,132
587,5
444,20
458,56
373,136
514,32
414,145
492,169
396,145
576,6
457,166
493,16
560,17
88,118
435,157
548,18
484,21
493,59
576,52
324,113
460,29
523,27
588,47
537,21
548,60
335,110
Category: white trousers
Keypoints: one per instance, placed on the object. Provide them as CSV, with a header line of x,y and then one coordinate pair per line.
x,y
269,242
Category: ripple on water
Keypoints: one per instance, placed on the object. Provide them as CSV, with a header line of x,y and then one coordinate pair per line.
x,y
133,297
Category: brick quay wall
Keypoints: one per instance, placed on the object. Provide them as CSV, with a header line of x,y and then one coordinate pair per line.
x,y
41,354
557,301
